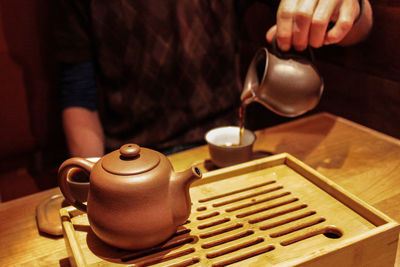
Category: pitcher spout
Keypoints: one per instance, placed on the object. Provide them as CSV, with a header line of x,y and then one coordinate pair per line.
x,y
255,75
179,193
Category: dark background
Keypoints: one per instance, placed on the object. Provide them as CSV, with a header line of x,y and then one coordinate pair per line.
x,y
362,83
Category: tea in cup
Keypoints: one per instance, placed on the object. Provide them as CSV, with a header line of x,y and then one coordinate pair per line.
x,y
227,147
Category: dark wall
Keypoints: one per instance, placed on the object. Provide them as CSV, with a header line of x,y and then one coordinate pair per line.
x,y
28,74
31,139
363,81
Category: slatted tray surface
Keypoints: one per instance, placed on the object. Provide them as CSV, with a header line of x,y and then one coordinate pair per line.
x,y
266,212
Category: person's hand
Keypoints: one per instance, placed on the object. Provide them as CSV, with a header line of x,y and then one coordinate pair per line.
x,y
302,23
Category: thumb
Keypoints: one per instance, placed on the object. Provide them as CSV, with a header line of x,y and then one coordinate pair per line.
x,y
270,34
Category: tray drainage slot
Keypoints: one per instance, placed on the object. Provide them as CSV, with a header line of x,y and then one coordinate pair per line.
x,y
202,208
162,258
244,256
329,232
332,232
278,213
236,247
236,191
288,220
213,223
230,201
227,239
167,246
255,202
185,263
181,231
207,216
221,230
248,213
297,228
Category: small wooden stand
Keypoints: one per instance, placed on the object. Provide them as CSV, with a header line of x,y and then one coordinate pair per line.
x,y
274,211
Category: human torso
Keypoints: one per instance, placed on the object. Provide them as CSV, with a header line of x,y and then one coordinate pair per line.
x,y
168,69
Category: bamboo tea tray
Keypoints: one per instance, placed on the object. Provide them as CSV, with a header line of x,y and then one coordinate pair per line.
x,y
274,211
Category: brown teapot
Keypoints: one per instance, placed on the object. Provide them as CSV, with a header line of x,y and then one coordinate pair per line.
x,y
135,198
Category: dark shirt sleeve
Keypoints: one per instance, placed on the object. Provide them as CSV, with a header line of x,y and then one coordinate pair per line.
x,y
78,85
72,30
72,37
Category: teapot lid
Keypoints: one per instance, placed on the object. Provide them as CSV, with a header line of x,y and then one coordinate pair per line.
x,y
130,159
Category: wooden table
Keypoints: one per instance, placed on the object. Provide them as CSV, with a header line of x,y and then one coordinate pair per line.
x,y
363,161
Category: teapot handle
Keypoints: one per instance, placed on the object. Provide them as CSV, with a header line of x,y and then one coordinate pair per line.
x,y
64,179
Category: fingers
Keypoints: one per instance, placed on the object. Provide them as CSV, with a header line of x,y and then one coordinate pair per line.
x,y
270,34
284,22
321,18
347,14
301,23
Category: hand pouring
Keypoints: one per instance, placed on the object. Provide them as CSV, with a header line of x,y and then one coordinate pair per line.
x,y
286,83
135,199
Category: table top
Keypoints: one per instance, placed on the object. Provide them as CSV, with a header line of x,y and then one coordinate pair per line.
x,y
361,160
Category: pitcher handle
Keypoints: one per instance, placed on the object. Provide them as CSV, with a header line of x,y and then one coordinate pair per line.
x,y
63,175
307,53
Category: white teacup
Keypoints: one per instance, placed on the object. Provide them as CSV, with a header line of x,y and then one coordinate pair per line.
x,y
225,148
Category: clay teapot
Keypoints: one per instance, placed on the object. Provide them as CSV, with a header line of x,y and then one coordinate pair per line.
x,y
287,83
135,198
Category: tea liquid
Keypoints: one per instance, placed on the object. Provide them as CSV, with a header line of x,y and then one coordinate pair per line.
x,y
230,145
242,115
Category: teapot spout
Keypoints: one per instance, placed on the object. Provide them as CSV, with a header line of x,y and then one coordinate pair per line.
x,y
179,193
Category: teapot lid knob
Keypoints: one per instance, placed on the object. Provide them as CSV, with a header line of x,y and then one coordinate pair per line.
x,y
129,150
130,159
